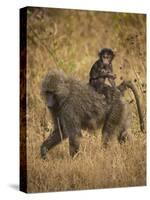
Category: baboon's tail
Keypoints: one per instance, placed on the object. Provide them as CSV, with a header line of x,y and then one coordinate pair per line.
x,y
128,84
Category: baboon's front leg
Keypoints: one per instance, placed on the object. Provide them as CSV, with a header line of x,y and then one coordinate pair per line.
x,y
105,138
52,140
107,133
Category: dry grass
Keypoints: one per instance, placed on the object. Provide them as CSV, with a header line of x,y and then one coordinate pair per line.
x,y
70,40
118,166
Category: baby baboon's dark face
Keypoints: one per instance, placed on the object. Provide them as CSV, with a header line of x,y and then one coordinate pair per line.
x,y
106,56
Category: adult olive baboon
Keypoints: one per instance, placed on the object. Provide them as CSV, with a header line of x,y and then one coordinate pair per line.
x,y
75,106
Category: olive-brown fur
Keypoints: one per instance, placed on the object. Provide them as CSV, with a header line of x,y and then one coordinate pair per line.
x,y
75,106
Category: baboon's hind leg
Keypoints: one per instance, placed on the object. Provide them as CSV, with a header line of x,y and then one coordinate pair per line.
x,y
122,137
125,134
74,143
52,140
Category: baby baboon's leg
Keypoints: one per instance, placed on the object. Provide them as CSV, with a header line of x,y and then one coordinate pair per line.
x,y
112,82
52,140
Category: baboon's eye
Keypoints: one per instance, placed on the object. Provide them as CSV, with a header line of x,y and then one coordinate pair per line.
x,y
106,57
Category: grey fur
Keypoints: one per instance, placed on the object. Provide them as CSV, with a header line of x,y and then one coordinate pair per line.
x,y
78,106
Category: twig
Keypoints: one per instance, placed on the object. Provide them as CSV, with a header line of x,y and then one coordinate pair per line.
x,y
46,47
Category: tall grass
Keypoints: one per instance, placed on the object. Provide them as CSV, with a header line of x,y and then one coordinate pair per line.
x,y
70,40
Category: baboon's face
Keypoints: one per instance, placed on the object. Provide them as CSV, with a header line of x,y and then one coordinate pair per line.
x,y
107,58
50,99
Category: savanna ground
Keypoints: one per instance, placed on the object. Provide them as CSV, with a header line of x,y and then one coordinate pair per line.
x,y
70,40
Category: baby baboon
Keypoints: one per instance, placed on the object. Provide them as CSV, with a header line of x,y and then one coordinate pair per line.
x,y
102,69
75,106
